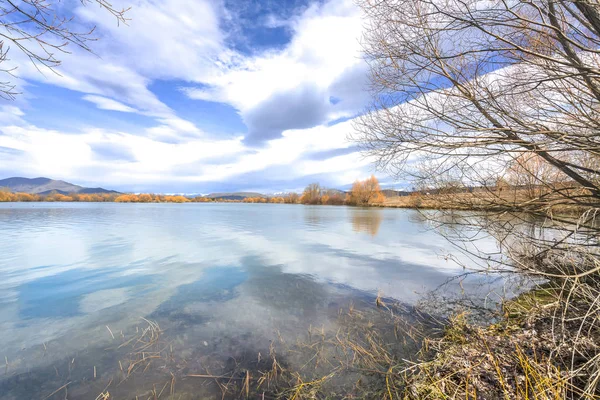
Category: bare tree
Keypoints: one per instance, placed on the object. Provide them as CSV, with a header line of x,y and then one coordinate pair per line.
x,y
312,194
291,198
465,84
42,30
470,92
532,175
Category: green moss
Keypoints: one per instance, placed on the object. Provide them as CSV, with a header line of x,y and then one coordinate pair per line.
x,y
457,331
529,303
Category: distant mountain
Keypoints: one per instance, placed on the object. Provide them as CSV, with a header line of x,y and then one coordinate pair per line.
x,y
234,195
46,186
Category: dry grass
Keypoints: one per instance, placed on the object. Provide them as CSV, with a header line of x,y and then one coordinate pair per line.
x,y
365,358
516,358
146,347
490,200
361,360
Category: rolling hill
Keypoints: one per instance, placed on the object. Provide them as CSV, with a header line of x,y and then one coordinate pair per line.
x,y
45,186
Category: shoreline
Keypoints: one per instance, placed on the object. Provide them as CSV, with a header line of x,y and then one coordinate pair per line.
x,y
564,210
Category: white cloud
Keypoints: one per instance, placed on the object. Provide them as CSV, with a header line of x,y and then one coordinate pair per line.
x,y
163,39
167,39
325,46
108,104
71,155
182,39
11,115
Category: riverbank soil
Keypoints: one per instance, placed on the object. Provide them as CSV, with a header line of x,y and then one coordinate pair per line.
x,y
526,355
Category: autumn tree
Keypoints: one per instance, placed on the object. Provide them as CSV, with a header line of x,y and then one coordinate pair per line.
x,y
177,199
6,196
145,198
311,194
58,197
104,197
365,193
201,199
127,198
333,198
26,197
292,198
256,199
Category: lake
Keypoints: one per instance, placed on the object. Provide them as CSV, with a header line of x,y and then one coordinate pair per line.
x,y
87,288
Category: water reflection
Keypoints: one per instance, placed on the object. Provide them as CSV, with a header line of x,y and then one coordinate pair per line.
x,y
368,220
222,280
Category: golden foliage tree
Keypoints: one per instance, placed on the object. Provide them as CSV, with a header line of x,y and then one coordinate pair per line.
x,y
201,199
59,197
311,194
333,198
177,199
6,196
145,198
127,198
365,193
292,198
26,197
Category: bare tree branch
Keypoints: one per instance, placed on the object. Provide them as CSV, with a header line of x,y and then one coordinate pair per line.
x,y
41,30
494,107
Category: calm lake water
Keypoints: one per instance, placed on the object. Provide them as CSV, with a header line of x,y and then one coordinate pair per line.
x,y
77,281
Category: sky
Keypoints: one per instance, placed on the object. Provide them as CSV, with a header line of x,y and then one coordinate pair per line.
x,y
196,96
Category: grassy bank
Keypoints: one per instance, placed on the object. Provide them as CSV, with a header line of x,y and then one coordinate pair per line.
x,y
512,359
521,356
492,199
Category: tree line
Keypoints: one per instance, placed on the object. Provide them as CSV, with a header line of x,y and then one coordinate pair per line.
x,y
7,196
363,193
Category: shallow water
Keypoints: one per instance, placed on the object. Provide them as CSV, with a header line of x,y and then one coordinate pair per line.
x,y
221,280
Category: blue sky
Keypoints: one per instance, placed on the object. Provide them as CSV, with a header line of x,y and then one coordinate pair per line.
x,y
196,96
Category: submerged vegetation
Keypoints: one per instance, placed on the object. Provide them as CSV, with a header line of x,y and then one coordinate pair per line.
x,y
369,356
377,352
